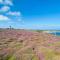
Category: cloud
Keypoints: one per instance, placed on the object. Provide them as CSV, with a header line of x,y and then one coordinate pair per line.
x,y
1,1
4,18
6,2
4,9
14,13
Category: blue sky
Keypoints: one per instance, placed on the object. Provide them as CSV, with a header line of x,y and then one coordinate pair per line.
x,y
30,14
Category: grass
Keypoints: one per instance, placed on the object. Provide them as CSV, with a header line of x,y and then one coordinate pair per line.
x,y
17,47
50,54
12,58
29,57
54,44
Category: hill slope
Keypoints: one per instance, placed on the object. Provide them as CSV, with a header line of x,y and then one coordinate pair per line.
x,y
28,45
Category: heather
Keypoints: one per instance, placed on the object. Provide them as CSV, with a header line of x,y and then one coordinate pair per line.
x,y
28,45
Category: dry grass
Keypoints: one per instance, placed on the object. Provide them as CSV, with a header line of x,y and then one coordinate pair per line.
x,y
28,45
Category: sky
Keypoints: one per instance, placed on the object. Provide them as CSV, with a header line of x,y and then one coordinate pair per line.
x,y
30,14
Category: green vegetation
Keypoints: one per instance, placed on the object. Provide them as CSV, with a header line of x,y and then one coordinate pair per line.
x,y
12,58
50,54
27,45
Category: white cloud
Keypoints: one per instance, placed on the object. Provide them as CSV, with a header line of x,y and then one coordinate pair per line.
x,y
6,2
3,18
14,13
5,9
1,1
17,16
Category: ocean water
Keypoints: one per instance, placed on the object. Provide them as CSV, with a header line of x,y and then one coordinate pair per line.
x,y
56,33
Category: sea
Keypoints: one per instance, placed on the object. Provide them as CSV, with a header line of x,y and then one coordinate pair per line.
x,y
56,33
